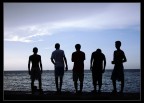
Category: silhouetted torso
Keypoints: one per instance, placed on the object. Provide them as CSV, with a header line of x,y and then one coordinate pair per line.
x,y
58,56
35,59
118,72
98,60
118,57
78,58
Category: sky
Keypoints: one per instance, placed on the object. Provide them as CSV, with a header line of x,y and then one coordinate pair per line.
x,y
92,25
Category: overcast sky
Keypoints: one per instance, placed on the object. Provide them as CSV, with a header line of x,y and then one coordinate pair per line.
x,y
93,25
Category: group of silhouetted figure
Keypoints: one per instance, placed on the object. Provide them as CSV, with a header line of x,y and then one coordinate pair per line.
x,y
97,66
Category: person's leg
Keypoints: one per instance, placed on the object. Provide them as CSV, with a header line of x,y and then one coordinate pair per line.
x,y
75,85
61,74
56,82
40,86
81,86
94,78
81,78
75,79
61,81
40,83
122,81
100,82
32,85
94,84
99,87
122,86
114,85
57,73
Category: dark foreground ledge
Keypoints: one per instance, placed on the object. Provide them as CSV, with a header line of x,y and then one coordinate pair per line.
x,y
66,95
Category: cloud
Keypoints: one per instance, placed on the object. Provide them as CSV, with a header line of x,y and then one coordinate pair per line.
x,y
114,16
19,39
26,33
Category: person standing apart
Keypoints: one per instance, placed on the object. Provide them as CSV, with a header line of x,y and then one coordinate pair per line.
x,y
118,72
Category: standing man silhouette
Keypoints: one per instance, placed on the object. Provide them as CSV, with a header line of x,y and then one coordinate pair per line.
x,y
97,66
58,58
78,58
118,72
36,69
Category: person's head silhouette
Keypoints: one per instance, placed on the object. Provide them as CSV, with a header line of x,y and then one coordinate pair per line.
x,y
117,44
57,45
78,47
98,51
35,50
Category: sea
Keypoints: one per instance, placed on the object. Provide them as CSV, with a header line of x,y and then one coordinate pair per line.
x,y
20,81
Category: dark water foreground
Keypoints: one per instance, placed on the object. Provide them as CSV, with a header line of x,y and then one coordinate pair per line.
x,y
52,95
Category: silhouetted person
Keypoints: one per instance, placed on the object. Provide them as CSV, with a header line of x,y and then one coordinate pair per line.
x,y
118,71
36,69
78,58
97,66
58,58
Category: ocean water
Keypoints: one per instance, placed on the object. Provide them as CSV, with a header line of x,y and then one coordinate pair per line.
x,y
20,81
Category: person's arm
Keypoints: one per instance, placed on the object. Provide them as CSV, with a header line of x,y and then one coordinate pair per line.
x,y
29,65
91,62
52,61
104,64
72,58
113,62
124,58
84,56
41,65
66,63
